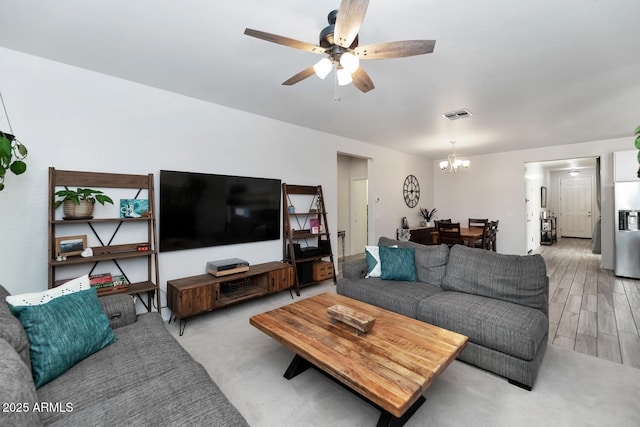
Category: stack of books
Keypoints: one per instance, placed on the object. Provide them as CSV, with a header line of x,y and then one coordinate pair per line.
x,y
106,280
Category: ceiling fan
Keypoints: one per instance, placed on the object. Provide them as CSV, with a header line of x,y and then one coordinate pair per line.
x,y
339,41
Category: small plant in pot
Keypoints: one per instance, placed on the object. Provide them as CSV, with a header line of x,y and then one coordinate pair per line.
x,y
428,215
78,203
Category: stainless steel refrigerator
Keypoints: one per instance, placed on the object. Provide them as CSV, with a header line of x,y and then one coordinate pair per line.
x,y
627,233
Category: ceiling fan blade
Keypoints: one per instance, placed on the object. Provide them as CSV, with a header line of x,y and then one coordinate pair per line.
x,y
307,72
362,81
395,49
350,17
285,41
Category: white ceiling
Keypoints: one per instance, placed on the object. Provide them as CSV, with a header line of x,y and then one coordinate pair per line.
x,y
533,73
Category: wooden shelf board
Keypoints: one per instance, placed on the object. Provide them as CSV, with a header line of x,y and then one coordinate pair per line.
x,y
245,294
75,260
98,220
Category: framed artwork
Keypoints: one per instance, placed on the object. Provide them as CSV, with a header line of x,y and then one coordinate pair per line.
x,y
543,197
70,245
133,208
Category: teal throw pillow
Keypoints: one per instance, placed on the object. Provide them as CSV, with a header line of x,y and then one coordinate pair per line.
x,y
398,263
63,331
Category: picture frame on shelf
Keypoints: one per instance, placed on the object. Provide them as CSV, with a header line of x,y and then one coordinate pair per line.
x,y
134,208
70,245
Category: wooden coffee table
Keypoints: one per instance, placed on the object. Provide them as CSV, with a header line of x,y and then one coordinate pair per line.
x,y
390,366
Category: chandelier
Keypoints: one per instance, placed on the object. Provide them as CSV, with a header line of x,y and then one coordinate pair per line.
x,y
454,164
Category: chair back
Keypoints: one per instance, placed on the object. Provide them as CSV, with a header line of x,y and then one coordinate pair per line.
x,y
475,222
493,231
448,220
449,233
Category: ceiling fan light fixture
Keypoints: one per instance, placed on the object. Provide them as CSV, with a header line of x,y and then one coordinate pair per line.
x,y
323,67
344,76
349,62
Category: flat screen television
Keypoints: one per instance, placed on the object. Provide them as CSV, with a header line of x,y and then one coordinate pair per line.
x,y
199,210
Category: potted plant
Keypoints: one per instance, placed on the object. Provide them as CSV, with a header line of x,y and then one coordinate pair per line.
x,y
428,216
78,203
12,154
637,132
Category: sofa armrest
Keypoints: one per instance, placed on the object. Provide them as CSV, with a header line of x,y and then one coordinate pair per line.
x,y
355,269
120,309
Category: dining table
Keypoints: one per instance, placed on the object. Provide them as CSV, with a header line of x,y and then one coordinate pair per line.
x,y
469,235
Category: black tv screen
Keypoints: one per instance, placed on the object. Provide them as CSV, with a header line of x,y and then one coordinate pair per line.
x,y
199,210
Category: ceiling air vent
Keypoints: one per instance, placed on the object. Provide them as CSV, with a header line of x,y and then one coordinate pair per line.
x,y
458,114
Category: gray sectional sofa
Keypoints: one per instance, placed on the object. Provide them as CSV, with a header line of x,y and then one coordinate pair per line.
x,y
499,301
144,378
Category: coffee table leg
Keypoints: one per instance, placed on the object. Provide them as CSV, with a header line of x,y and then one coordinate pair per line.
x,y
388,420
297,366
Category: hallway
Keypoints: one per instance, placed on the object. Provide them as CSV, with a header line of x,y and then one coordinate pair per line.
x,y
590,309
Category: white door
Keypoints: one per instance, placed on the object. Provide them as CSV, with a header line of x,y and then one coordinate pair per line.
x,y
359,215
575,204
532,202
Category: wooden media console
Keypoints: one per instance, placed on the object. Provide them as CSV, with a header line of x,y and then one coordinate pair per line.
x,y
193,295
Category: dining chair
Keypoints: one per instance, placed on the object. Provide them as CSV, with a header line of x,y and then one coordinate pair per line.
x,y
480,223
449,233
483,242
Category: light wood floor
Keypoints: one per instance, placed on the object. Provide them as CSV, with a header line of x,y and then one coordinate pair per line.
x,y
590,309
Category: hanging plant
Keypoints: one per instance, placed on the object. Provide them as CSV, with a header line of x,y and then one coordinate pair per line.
x,y
12,154
637,132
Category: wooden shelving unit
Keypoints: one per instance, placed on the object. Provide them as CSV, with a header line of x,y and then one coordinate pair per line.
x,y
306,242
106,251
548,231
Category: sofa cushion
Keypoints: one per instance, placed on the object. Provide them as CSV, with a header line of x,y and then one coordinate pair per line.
x,y
398,296
63,331
17,392
430,261
509,328
145,378
397,263
11,329
514,278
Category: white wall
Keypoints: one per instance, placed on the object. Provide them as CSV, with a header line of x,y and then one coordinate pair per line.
x,y
494,187
75,119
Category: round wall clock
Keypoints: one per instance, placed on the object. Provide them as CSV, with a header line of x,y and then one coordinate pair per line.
x,y
411,191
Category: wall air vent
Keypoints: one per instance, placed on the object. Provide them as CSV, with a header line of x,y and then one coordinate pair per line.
x,y
458,114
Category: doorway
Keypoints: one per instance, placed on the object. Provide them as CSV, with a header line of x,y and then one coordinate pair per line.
x,y
571,189
353,209
359,213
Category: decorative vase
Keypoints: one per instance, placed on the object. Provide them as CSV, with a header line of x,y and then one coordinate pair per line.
x,y
84,210
430,224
